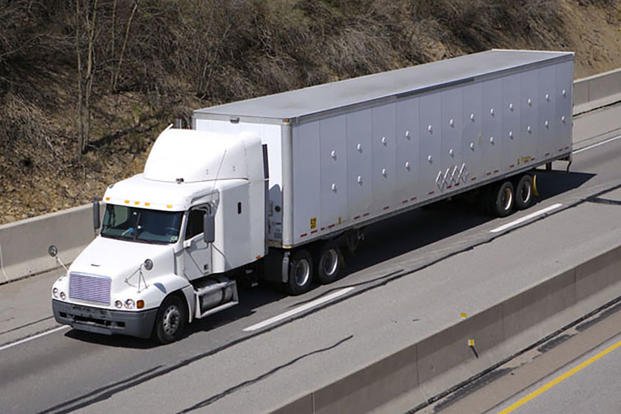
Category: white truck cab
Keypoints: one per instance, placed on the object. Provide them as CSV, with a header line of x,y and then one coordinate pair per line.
x,y
162,256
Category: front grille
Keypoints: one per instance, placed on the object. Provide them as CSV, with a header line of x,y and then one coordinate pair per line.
x,y
89,288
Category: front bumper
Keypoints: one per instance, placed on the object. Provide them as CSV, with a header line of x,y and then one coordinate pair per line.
x,y
105,321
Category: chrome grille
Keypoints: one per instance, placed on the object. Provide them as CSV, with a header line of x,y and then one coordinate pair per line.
x,y
89,288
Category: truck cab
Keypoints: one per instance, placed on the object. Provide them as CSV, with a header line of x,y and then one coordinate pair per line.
x,y
162,257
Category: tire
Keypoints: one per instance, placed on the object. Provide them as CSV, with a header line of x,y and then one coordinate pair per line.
x,y
300,272
503,199
330,264
524,192
171,320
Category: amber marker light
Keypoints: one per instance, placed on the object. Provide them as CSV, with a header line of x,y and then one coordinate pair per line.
x,y
140,304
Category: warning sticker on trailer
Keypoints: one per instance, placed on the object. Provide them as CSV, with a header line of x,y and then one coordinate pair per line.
x,y
313,223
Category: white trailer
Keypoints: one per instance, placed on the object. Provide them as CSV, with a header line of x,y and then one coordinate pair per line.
x,y
284,183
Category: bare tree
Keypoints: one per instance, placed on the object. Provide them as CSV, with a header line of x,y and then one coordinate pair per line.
x,y
85,24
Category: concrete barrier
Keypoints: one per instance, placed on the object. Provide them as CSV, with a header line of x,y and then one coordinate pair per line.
x,y
597,91
421,371
24,244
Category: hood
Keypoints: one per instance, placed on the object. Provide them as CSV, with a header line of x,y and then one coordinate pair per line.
x,y
119,259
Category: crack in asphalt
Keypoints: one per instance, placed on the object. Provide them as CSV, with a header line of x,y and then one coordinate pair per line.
x,y
244,384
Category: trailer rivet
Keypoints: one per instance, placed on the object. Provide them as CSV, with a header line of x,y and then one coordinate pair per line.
x,y
547,96
451,152
407,134
451,122
472,117
334,187
429,158
530,102
491,140
429,128
529,129
511,107
384,172
359,180
359,148
547,124
511,134
472,146
407,165
564,92
333,154
384,140
563,119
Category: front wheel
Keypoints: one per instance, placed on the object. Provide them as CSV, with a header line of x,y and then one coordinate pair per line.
x,y
171,320
300,272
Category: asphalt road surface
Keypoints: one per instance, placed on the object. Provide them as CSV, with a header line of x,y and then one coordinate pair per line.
x,y
223,365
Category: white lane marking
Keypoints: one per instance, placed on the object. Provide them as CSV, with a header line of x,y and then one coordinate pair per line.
x,y
526,218
299,309
30,338
597,144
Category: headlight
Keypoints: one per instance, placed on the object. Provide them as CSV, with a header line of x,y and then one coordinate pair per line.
x,y
55,292
129,304
118,304
63,296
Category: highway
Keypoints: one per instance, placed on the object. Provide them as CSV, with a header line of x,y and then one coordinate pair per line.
x,y
573,372
414,273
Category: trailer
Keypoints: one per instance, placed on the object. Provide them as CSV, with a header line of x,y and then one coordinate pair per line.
x,y
282,185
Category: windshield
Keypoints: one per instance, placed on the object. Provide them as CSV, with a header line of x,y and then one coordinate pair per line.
x,y
139,224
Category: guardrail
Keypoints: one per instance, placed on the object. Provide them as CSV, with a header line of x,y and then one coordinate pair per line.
x,y
23,244
597,91
409,378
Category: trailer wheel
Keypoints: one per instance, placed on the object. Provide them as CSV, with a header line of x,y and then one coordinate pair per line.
x,y
524,192
300,272
170,321
330,263
503,200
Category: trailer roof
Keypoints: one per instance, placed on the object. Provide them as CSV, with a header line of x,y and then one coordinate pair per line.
x,y
330,96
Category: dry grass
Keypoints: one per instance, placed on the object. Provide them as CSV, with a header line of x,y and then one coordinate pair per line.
x,y
163,59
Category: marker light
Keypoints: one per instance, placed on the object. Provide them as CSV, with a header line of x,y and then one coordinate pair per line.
x,y
118,304
140,304
63,296
55,292
129,304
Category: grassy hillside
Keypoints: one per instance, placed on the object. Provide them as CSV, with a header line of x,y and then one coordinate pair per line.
x,y
86,85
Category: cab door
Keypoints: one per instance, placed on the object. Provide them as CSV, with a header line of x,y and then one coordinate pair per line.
x,y
197,252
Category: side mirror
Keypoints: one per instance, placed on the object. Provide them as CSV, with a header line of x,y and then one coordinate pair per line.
x,y
52,250
96,216
209,227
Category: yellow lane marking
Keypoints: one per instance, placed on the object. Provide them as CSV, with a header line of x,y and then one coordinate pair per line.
x,y
559,379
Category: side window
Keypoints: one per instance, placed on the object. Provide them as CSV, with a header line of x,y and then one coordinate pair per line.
x,y
195,223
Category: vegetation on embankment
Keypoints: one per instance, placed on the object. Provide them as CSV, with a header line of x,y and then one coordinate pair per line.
x,y
86,85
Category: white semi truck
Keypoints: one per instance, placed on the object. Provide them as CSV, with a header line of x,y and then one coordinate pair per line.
x,y
283,184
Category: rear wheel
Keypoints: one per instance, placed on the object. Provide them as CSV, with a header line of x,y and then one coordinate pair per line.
x,y
171,320
300,272
330,263
503,199
524,192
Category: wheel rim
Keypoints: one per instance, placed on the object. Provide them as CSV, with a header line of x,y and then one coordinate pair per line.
x,y
302,272
525,193
329,262
507,198
171,320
